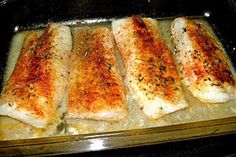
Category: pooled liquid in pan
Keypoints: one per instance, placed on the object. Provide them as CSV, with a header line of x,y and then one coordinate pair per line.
x,y
198,111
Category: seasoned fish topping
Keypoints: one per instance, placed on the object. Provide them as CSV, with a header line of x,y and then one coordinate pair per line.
x,y
34,90
203,64
95,89
151,74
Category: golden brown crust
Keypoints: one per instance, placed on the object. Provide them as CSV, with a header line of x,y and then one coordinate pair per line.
x,y
208,57
202,62
153,66
157,63
95,85
151,75
31,93
32,76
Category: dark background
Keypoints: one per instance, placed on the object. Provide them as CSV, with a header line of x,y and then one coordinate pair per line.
x,y
221,146
28,13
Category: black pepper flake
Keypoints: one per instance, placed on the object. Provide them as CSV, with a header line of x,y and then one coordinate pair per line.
x,y
171,79
150,59
215,84
46,56
38,67
219,60
176,88
108,84
109,67
31,49
140,77
162,68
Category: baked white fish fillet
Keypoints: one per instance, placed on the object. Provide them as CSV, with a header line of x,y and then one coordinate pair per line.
x,y
151,74
203,64
37,84
95,89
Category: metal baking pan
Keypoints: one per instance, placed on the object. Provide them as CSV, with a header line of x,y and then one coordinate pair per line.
x,y
20,15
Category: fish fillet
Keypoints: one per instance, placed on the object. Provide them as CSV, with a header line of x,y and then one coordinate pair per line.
x,y
151,75
95,89
203,64
37,84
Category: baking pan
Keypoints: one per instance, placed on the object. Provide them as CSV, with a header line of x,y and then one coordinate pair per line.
x,y
17,15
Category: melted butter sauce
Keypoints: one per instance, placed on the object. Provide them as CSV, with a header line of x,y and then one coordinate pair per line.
x,y
198,111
